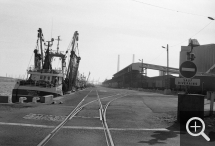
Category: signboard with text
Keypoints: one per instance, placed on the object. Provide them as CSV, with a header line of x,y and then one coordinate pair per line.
x,y
186,81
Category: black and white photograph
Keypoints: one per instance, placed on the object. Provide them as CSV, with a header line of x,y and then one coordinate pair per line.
x,y
107,73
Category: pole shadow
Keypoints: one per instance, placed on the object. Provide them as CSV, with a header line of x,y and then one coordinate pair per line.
x,y
159,136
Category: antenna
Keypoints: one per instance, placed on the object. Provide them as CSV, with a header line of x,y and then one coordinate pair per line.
x,y
52,27
58,39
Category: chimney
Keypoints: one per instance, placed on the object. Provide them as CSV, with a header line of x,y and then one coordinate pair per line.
x,y
118,63
133,58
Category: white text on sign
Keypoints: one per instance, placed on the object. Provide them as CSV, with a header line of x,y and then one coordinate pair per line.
x,y
187,81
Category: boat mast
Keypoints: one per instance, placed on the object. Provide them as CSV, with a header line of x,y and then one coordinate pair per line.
x,y
41,47
58,39
47,62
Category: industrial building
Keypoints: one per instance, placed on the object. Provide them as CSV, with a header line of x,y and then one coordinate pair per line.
x,y
205,62
135,74
204,57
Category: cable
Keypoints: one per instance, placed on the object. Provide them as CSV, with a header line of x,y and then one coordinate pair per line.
x,y
29,62
201,29
193,35
156,57
168,8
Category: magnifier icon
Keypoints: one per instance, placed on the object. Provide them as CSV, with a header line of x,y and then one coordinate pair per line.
x,y
201,132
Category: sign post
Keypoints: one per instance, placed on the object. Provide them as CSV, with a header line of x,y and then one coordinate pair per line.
x,y
189,105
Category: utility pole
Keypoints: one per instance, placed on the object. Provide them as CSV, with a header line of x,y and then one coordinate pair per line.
x,y
142,74
167,90
167,69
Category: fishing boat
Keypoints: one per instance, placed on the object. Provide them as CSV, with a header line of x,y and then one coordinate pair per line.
x,y
42,79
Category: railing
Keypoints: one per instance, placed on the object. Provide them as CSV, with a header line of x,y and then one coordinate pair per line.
x,y
54,71
56,52
39,83
32,68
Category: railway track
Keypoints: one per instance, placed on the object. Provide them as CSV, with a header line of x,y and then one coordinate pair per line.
x,y
102,110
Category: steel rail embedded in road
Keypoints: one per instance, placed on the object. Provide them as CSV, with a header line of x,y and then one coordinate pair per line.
x,y
106,106
104,118
109,138
50,135
107,135
77,109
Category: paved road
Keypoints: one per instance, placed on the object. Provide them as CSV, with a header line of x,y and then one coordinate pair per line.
x,y
128,118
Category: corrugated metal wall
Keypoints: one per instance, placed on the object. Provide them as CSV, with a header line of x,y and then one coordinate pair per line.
x,y
205,56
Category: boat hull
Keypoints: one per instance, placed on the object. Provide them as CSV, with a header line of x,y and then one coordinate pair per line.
x,y
29,94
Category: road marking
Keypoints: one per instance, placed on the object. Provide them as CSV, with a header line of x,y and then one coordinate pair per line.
x,y
50,117
139,129
27,125
85,127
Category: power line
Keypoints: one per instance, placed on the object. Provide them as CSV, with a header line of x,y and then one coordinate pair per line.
x,y
193,35
168,8
156,57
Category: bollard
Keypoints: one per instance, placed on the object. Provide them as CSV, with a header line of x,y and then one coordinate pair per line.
x,y
34,99
208,95
212,103
10,99
21,99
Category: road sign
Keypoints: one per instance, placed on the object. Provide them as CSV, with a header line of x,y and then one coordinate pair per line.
x,y
186,81
188,69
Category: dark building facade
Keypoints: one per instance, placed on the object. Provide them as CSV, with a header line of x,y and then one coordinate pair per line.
x,y
133,77
204,57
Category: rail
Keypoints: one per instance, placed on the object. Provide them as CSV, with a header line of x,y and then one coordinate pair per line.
x,y
77,109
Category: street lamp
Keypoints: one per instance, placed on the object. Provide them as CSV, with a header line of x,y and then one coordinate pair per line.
x,y
210,18
167,90
141,73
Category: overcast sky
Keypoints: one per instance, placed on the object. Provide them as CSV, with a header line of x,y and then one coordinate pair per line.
x,y
107,28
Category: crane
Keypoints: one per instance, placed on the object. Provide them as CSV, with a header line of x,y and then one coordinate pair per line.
x,y
88,76
72,69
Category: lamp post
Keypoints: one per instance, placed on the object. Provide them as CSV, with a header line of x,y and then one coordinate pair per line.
x,y
167,90
141,74
167,68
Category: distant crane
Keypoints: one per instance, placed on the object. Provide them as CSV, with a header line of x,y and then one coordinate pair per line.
x,y
88,76
98,81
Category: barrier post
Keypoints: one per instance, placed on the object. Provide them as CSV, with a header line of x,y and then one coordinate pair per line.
x,y
21,99
208,95
34,99
212,103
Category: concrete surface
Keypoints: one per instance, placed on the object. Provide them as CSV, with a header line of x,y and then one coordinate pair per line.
x,y
138,119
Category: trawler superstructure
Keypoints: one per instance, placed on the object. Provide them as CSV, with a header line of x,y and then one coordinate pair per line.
x,y
42,78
